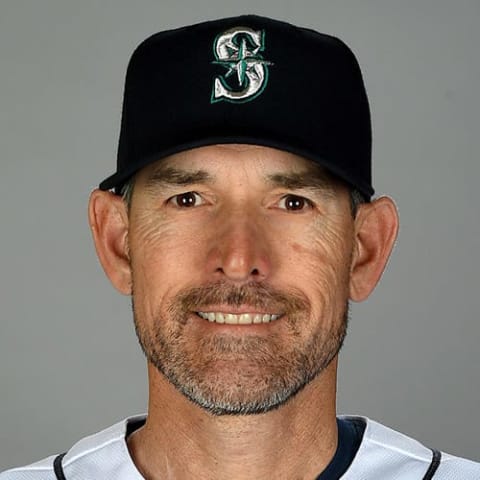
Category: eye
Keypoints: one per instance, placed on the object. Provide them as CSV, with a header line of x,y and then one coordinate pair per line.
x,y
294,203
186,200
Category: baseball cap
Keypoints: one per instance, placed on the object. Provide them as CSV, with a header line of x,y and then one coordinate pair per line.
x,y
251,80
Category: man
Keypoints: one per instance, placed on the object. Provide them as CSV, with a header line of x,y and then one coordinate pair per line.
x,y
241,224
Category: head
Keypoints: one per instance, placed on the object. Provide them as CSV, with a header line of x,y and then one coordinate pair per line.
x,y
242,235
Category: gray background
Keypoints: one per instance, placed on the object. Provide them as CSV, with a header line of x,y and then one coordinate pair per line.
x,y
69,360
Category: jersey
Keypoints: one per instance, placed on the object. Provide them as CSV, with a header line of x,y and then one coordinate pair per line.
x,y
383,453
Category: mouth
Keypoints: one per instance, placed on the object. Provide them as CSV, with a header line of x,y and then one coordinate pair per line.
x,y
238,319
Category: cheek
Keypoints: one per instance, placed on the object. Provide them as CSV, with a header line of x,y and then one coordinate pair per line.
x,y
320,256
164,257
159,238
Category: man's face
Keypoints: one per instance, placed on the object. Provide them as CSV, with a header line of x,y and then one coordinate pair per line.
x,y
240,259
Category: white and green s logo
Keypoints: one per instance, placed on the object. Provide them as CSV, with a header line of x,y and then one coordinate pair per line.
x,y
238,50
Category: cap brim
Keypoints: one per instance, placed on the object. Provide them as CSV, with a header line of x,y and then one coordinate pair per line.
x,y
117,180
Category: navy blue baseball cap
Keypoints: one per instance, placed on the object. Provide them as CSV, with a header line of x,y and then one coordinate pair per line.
x,y
251,80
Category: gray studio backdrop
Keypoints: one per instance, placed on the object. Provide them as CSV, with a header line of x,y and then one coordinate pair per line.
x,y
69,360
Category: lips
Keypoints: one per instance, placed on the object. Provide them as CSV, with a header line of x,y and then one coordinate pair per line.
x,y
238,319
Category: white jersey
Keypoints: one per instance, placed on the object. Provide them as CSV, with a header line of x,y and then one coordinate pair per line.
x,y
383,454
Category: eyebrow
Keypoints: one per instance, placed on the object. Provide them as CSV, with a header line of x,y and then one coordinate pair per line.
x,y
171,176
311,179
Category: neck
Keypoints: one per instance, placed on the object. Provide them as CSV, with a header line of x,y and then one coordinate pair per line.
x,y
180,440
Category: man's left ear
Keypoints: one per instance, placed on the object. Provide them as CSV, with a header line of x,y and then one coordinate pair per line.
x,y
376,228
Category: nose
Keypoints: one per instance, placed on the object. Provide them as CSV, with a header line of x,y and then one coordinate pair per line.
x,y
240,251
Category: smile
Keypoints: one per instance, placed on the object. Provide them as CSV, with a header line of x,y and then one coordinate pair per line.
x,y
241,319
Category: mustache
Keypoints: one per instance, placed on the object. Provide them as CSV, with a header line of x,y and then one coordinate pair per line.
x,y
254,294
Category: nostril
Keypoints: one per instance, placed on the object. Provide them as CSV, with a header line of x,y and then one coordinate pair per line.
x,y
255,272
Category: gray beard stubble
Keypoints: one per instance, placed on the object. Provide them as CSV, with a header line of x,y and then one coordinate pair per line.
x,y
288,372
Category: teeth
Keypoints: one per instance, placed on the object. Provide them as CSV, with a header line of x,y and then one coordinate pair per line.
x,y
233,319
245,319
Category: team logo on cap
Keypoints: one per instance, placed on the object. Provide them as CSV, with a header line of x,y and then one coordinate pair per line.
x,y
238,50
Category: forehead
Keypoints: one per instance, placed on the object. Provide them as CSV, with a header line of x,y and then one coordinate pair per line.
x,y
237,160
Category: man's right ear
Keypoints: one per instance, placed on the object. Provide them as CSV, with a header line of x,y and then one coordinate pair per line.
x,y
108,218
